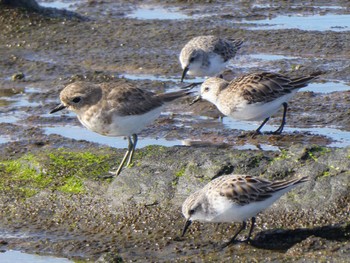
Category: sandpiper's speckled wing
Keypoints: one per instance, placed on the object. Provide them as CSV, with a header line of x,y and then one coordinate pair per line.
x,y
126,100
245,189
265,86
227,49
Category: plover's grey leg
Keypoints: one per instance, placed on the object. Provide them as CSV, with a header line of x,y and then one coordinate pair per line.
x,y
134,142
130,147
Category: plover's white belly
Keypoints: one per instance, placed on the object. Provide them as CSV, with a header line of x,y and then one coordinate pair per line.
x,y
121,125
258,111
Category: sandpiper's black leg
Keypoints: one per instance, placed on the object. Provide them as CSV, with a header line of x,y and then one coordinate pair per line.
x,y
251,229
232,240
257,131
280,129
134,142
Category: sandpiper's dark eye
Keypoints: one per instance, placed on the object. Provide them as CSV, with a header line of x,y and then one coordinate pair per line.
x,y
206,89
191,59
191,212
76,99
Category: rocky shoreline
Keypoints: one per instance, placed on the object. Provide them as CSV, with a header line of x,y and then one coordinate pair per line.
x,y
52,197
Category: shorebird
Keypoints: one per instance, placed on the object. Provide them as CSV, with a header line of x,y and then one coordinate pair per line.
x,y
112,109
253,97
234,198
207,55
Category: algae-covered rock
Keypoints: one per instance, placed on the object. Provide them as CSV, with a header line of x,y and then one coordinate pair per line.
x,y
138,213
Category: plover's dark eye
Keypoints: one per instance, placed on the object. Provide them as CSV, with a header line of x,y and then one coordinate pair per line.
x,y
191,59
76,99
191,212
206,89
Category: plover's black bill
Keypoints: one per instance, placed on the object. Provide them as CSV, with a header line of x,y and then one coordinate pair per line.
x,y
58,108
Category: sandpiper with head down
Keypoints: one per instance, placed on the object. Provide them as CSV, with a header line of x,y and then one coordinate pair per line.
x,y
207,55
234,198
115,109
253,97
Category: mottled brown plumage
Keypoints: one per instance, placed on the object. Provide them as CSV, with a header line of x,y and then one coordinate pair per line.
x,y
254,97
234,198
207,55
115,109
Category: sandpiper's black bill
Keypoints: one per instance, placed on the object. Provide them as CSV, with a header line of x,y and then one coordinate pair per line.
x,y
192,85
187,224
58,108
184,72
196,99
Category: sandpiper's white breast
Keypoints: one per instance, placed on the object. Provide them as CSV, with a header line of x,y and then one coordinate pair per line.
x,y
253,111
216,65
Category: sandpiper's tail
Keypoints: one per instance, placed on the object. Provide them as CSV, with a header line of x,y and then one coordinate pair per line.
x,y
237,43
170,96
302,82
280,185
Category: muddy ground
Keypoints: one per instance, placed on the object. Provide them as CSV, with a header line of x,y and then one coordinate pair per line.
x,y
50,206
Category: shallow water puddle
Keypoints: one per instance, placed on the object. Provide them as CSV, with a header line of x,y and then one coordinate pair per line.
x,y
60,4
177,84
340,138
20,99
263,147
4,139
317,22
12,256
246,62
149,77
7,118
80,133
152,12
14,100
326,87
270,57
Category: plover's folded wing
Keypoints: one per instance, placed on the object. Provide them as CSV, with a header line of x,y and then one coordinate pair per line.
x,y
128,100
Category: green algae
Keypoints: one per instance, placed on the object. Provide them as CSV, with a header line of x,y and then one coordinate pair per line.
x,y
22,176
59,170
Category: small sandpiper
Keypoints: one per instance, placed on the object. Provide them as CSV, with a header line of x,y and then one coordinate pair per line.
x,y
234,198
207,55
253,97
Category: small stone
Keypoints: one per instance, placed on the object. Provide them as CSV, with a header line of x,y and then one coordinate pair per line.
x,y
18,76
110,257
